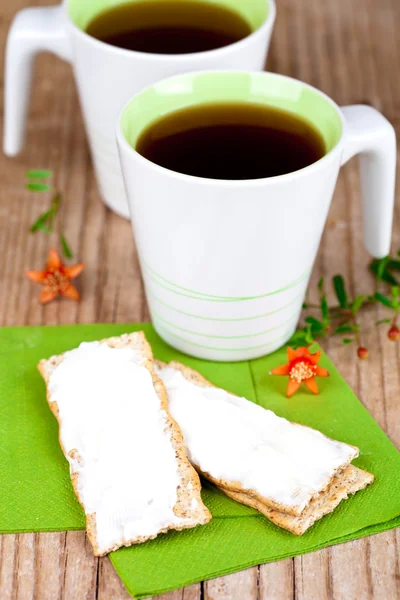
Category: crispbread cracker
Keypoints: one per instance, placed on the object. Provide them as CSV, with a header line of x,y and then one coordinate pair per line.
x,y
188,492
235,486
349,481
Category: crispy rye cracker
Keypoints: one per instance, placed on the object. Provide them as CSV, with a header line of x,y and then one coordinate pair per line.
x,y
235,486
188,492
349,481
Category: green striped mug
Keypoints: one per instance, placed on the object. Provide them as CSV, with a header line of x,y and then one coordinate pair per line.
x,y
226,263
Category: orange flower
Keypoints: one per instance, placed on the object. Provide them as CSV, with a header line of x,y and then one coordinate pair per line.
x,y
302,367
56,279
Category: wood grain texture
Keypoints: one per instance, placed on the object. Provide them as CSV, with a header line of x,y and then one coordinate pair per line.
x,y
351,50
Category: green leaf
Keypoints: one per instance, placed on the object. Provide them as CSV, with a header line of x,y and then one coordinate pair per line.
x,y
347,341
38,187
65,247
395,295
314,347
56,201
347,328
305,305
308,335
382,321
46,220
382,263
340,290
315,324
42,223
321,283
299,338
383,300
325,310
386,276
39,174
40,226
394,264
357,304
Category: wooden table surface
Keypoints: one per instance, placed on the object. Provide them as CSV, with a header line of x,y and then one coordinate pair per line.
x,y
351,50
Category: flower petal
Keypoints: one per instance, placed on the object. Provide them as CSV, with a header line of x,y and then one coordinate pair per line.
x,y
291,354
292,387
47,296
282,370
71,292
321,372
315,357
74,271
53,260
36,276
303,351
312,385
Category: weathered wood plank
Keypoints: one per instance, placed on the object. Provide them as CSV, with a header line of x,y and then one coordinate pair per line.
x,y
276,580
24,574
312,576
109,584
80,568
237,585
49,564
8,565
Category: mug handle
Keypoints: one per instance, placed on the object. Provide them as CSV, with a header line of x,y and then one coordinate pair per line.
x,y
371,135
33,30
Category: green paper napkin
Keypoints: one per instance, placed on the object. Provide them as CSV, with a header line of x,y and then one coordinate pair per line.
x,y
36,493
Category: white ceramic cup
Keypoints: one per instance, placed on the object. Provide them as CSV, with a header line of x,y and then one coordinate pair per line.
x,y
107,76
226,263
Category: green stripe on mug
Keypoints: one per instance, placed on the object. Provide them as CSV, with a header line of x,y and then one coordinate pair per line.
x,y
266,345
156,315
220,320
216,246
208,297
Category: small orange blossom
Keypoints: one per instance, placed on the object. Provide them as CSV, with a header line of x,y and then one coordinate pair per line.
x,y
56,278
302,367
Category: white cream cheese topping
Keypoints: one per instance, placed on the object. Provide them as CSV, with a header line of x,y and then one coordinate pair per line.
x,y
236,440
111,414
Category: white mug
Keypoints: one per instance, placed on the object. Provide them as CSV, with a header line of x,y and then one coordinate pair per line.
x,y
107,76
226,263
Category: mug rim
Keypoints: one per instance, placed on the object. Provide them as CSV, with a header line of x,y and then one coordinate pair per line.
x,y
267,24
236,183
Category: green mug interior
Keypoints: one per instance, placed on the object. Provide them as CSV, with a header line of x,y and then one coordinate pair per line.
x,y
183,91
82,12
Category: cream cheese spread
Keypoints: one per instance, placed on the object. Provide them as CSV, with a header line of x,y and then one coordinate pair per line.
x,y
233,439
110,413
